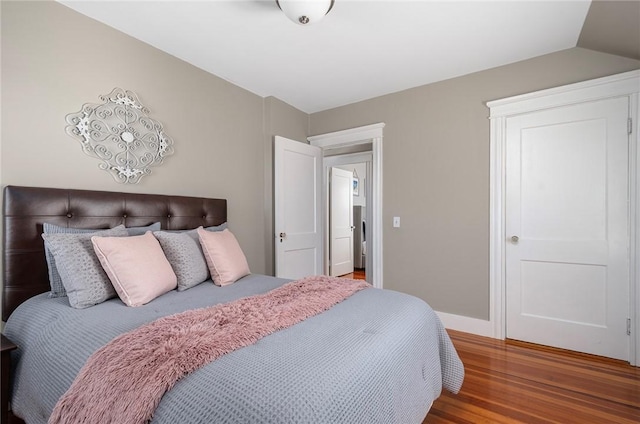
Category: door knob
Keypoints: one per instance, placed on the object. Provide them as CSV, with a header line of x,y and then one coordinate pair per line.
x,y
515,239
283,235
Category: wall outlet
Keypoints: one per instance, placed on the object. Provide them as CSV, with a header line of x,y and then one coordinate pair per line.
x,y
396,222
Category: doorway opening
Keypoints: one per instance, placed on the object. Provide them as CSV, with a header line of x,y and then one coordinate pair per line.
x,y
359,165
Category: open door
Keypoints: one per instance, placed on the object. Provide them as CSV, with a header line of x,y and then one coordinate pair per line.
x,y
297,197
341,222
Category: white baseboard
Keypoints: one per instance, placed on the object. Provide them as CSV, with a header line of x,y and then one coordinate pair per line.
x,y
476,326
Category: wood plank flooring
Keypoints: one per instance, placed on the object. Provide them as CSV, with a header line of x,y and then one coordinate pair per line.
x,y
515,382
357,274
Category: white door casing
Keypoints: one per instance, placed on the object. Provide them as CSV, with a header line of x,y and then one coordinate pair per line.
x,y
567,264
622,85
341,222
367,134
297,209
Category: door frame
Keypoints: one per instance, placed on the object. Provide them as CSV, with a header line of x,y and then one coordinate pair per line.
x,y
622,85
353,137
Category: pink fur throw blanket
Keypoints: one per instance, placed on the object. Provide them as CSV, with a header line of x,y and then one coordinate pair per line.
x,y
124,381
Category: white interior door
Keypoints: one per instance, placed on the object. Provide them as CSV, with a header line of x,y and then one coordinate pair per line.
x,y
297,196
567,282
341,222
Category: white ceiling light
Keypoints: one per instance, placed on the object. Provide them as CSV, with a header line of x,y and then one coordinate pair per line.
x,y
304,12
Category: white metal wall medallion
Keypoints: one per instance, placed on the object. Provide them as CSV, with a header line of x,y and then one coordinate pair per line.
x,y
120,134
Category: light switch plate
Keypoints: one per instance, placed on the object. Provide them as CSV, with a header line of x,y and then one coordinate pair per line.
x,y
396,222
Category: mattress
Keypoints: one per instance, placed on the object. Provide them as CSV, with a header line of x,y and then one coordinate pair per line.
x,y
378,357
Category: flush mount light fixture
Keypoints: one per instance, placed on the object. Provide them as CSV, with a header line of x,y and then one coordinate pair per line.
x,y
305,12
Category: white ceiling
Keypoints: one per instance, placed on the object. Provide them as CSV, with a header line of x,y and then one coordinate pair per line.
x,y
361,49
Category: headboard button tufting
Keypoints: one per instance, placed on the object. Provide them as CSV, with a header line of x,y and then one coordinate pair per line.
x,y
69,215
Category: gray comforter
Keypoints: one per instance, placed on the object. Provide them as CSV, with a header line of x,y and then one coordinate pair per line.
x,y
378,357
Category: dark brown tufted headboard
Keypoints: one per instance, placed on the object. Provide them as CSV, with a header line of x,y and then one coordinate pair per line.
x,y
26,208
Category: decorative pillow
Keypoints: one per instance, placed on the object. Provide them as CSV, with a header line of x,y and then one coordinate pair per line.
x,y
224,256
57,288
194,235
193,232
220,227
138,231
136,266
82,277
185,256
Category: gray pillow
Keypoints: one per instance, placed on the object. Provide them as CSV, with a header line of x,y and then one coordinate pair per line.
x,y
57,288
185,256
220,227
83,278
139,231
194,235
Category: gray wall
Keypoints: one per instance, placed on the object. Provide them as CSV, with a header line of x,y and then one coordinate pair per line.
x,y
361,170
436,160
436,148
612,27
54,60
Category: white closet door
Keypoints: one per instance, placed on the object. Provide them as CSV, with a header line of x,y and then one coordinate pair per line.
x,y
567,227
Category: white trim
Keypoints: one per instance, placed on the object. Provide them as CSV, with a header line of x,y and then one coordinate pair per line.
x,y
622,85
351,136
375,259
476,326
497,229
634,213
619,85
354,136
348,158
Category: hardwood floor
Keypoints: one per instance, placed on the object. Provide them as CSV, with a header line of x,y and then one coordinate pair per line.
x,y
516,382
357,274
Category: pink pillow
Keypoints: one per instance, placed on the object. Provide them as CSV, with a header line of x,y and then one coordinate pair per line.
x,y
136,266
224,256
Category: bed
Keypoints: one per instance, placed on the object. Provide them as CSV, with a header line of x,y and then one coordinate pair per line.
x,y
378,356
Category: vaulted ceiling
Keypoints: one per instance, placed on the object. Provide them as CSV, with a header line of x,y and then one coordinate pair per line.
x,y
613,27
362,48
